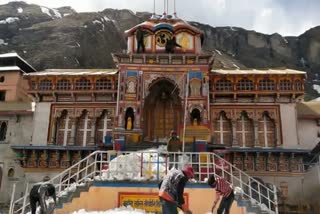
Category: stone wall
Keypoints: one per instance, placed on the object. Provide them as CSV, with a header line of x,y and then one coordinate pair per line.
x,y
289,125
41,124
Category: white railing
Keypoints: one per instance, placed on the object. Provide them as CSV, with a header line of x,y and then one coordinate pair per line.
x,y
153,165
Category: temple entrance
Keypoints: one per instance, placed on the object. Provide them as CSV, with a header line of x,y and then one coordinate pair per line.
x,y
162,110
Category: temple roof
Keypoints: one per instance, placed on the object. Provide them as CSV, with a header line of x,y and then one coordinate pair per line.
x,y
169,24
308,110
74,72
254,71
13,62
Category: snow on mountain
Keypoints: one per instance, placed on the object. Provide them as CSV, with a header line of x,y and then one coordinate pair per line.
x,y
9,20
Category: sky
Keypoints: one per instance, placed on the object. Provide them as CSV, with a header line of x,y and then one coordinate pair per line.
x,y
287,17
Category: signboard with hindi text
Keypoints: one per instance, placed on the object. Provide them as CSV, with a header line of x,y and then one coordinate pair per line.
x,y
148,202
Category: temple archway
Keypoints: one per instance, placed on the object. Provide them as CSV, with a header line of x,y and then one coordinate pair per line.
x,y
162,110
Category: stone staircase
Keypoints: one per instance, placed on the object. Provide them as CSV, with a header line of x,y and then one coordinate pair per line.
x,y
72,194
86,171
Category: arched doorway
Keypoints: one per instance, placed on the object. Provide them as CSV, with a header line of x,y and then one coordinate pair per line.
x,y
162,110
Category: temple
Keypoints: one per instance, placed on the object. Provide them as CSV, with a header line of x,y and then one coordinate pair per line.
x,y
255,119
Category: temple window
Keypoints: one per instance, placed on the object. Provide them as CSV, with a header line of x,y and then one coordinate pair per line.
x,y
245,85
64,128
63,84
223,130
223,85
45,85
83,129
33,85
103,84
285,85
104,127
244,130
195,117
266,131
83,84
298,85
266,85
129,119
3,130
210,85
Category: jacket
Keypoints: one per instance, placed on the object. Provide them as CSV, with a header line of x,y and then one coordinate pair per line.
x,y
172,187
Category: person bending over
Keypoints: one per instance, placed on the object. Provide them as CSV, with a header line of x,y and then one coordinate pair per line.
x,y
38,194
223,188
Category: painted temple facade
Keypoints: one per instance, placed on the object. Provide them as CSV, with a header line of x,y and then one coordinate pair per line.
x,y
251,117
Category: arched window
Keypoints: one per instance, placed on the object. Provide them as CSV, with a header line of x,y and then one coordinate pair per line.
x,y
223,85
223,130
45,85
285,85
266,131
3,131
195,117
129,117
2,79
104,126
64,128
33,85
245,133
266,85
103,84
84,129
63,84
298,85
245,85
83,84
11,173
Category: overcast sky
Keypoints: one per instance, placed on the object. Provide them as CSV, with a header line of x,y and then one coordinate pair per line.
x,y
287,17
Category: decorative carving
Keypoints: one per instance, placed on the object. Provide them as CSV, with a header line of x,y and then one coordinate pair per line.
x,y
32,160
295,163
238,160
283,163
43,159
65,160
272,163
54,160
260,163
76,157
131,86
248,162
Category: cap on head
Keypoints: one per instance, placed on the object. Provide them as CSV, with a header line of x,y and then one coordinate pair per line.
x,y
188,170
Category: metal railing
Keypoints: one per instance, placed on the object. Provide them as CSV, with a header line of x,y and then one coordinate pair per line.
x,y
153,165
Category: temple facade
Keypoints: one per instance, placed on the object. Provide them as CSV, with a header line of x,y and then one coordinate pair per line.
x,y
256,119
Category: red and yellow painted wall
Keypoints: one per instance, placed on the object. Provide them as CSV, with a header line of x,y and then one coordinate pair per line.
x,y
104,196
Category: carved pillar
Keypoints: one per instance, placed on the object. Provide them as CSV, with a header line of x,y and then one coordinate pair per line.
x,y
73,122
93,130
283,163
260,162
234,132
248,162
272,163
53,131
277,141
256,133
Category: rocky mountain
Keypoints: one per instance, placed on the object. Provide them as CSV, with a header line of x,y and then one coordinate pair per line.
x,y
63,38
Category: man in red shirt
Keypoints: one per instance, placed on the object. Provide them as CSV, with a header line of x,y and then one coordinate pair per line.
x,y
223,189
